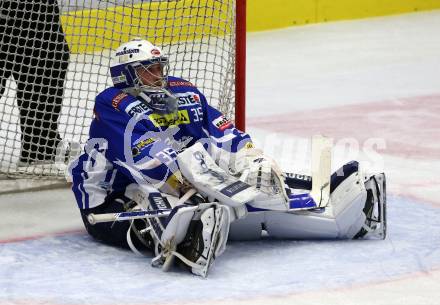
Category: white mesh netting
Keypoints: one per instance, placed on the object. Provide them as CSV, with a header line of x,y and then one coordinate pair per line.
x,y
55,58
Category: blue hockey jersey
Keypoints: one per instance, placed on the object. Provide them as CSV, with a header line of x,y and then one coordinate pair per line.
x,y
129,143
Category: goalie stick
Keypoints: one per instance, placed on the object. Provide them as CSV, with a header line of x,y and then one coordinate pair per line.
x,y
297,202
139,214
236,193
111,217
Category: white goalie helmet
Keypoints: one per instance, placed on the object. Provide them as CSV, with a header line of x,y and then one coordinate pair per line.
x,y
133,57
140,68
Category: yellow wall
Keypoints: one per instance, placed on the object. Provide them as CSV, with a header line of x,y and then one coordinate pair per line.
x,y
272,14
94,30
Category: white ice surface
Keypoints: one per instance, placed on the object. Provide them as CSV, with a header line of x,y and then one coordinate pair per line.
x,y
73,268
302,69
343,63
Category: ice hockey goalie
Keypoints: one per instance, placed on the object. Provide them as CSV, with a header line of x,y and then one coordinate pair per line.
x,y
165,172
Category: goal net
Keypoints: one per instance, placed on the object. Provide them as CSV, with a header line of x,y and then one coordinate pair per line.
x,y
55,58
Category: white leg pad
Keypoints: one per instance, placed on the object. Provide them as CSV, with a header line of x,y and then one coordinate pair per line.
x,y
248,228
342,218
296,226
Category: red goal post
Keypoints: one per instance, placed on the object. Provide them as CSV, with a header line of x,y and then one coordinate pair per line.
x,y
56,56
240,65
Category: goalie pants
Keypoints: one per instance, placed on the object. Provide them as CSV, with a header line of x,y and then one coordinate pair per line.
x,y
111,233
33,50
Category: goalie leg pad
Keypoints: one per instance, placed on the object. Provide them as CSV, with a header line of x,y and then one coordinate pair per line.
x,y
308,225
317,224
375,207
170,232
206,239
247,228
195,235
357,209
342,218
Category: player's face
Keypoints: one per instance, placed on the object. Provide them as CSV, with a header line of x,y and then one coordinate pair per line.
x,y
151,75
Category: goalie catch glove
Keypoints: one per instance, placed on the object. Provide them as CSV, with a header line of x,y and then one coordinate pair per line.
x,y
264,173
196,235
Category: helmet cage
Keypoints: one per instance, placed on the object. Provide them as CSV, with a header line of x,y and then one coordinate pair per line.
x,y
125,76
133,70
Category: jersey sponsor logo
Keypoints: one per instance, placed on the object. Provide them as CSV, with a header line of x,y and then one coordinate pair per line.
x,y
160,120
234,188
180,84
137,107
127,51
187,99
118,99
222,122
140,146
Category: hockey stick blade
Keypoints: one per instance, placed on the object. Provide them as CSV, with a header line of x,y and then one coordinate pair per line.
x,y
321,170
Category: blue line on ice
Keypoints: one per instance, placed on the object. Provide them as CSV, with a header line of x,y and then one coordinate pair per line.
x,y
75,269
